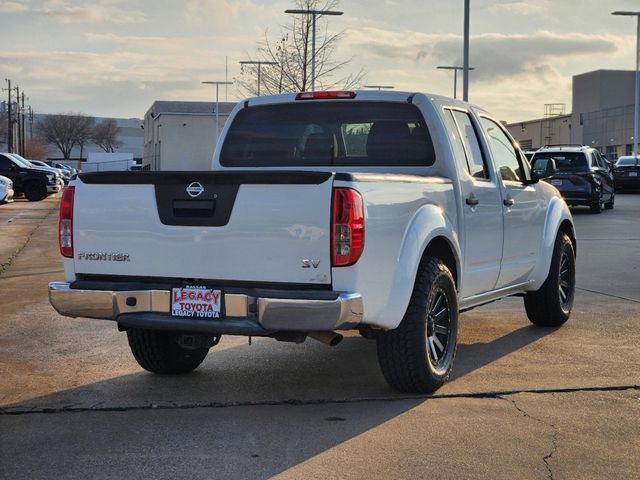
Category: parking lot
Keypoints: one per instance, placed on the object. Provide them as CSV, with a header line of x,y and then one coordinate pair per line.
x,y
525,402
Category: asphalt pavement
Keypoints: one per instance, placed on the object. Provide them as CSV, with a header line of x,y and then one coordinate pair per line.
x,y
525,402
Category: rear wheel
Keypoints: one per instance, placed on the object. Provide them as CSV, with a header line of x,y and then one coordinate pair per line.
x,y
35,191
551,305
609,205
159,352
417,357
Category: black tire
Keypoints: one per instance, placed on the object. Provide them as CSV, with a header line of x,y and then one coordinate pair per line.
x,y
610,204
35,191
406,361
158,352
551,305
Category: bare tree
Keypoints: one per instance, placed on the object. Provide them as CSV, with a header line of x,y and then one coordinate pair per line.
x,y
66,131
35,149
293,54
105,135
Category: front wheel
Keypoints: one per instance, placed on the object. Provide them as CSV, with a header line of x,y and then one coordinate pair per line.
x,y
417,357
610,204
35,191
551,305
159,352
597,205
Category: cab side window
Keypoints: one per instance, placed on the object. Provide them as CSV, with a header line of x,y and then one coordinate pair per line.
x,y
504,153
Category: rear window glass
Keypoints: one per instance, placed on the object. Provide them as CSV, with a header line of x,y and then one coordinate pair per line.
x,y
308,133
625,161
565,160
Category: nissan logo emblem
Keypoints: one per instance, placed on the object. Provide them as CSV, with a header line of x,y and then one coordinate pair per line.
x,y
195,189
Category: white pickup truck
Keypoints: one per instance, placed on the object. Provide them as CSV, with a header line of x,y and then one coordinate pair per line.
x,y
387,213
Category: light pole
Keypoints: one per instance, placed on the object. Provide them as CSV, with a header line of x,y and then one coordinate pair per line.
x,y
314,16
259,63
465,63
455,76
637,100
217,84
379,87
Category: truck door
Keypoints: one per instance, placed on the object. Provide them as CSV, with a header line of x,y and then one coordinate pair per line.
x,y
523,210
482,207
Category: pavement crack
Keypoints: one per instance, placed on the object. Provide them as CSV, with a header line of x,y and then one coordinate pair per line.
x,y
4,266
608,295
170,405
554,431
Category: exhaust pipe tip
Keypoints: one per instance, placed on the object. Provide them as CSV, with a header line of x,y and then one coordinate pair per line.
x,y
328,338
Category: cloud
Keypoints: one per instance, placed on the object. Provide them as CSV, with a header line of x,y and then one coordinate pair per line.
x,y
12,7
493,54
229,13
65,11
199,11
146,42
123,81
521,8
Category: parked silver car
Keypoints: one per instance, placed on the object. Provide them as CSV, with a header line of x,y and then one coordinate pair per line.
x,y
6,190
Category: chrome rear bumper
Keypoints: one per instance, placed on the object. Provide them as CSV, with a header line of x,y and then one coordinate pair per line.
x,y
271,314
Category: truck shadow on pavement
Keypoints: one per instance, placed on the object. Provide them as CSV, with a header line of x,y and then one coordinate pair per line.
x,y
269,372
252,411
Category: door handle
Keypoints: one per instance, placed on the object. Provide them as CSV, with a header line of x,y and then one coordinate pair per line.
x,y
472,201
508,202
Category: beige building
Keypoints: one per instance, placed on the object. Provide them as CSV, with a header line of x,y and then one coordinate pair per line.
x,y
535,134
601,116
182,135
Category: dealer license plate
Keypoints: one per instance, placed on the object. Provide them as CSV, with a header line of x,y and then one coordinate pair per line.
x,y
196,302
633,174
557,183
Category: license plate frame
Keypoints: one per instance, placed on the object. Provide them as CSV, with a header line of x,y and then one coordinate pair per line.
x,y
555,182
197,302
633,174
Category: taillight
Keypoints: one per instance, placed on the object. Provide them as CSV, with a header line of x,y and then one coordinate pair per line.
x,y
65,226
325,95
347,227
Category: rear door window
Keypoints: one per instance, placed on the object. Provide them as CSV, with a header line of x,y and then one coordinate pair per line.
x,y
308,133
476,165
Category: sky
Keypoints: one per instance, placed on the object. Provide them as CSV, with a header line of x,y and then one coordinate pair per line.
x,y
115,57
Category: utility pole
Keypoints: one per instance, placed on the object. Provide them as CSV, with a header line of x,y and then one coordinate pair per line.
x,y
217,84
30,123
10,123
259,63
17,89
314,16
22,143
636,109
465,82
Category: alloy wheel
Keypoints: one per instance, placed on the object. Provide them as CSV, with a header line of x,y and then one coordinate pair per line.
x,y
438,328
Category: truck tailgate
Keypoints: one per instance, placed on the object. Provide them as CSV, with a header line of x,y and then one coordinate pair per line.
x,y
249,227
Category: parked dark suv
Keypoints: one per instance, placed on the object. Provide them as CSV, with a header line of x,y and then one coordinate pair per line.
x,y
35,183
581,174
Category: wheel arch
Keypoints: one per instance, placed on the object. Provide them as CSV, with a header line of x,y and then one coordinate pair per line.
x,y
558,219
441,247
429,232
